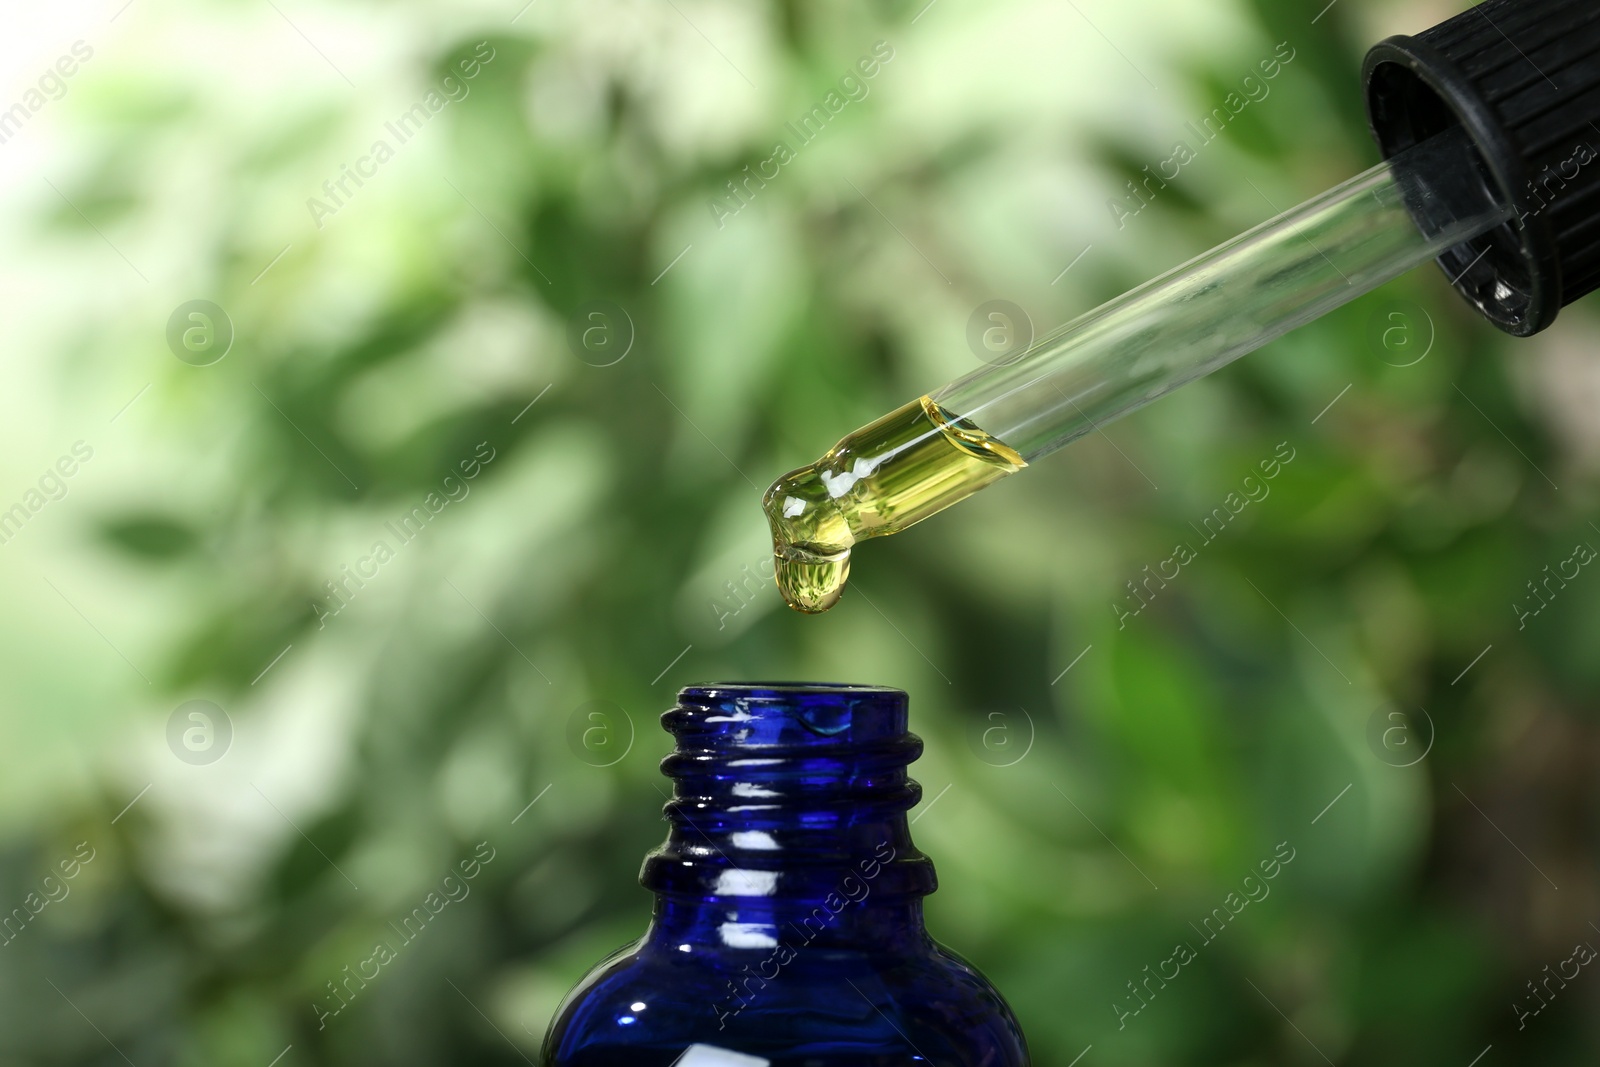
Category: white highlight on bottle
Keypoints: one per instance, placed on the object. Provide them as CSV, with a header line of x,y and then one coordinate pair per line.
x,y
737,883
747,935
754,839
711,1056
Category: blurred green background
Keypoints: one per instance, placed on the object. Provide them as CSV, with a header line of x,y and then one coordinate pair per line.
x,y
516,644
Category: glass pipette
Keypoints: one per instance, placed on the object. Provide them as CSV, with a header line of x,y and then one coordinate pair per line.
x,y
943,447
1490,123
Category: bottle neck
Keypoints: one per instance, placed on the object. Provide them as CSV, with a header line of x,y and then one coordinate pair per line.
x,y
870,926
788,822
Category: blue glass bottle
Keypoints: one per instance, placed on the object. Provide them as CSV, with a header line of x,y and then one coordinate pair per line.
x,y
788,917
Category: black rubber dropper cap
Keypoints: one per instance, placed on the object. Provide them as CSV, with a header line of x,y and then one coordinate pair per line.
x,y
1523,78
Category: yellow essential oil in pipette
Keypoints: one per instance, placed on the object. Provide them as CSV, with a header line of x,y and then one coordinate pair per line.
x,y
912,463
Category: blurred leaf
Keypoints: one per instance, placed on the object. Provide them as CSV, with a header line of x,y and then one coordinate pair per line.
x,y
151,536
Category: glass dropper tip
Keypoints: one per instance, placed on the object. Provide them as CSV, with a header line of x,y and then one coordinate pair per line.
x,y
811,541
889,474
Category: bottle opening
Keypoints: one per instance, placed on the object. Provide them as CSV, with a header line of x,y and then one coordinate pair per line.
x,y
749,715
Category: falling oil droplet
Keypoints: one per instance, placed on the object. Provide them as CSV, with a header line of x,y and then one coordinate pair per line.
x,y
910,464
811,581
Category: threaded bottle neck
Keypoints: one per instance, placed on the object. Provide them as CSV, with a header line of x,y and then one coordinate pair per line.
x,y
787,799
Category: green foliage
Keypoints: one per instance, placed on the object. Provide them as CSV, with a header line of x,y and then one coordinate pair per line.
x,y
385,724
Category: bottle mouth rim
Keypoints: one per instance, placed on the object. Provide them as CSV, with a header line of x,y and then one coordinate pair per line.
x,y
734,716
788,687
